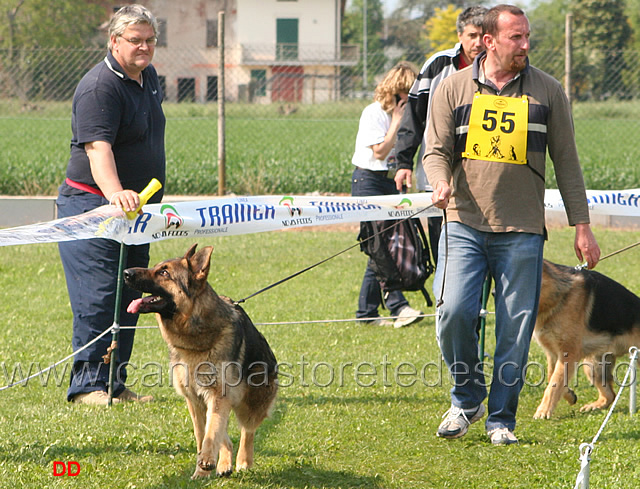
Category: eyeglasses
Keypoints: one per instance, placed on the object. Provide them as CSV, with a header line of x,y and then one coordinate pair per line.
x,y
138,42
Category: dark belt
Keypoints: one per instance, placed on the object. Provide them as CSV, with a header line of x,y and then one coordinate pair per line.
x,y
84,186
384,173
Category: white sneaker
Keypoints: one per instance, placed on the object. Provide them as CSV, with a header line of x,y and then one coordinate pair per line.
x,y
457,420
407,316
502,436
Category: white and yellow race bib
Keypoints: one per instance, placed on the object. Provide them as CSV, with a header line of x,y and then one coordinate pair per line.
x,y
498,129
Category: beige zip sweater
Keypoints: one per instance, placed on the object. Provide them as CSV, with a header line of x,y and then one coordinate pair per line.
x,y
501,197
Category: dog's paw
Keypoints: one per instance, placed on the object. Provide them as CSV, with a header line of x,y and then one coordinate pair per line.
x,y
206,463
593,406
200,473
225,467
224,472
571,397
542,413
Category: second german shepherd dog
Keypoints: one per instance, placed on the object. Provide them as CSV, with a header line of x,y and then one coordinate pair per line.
x,y
585,317
219,360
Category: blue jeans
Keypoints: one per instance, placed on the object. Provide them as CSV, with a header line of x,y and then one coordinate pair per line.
x,y
365,183
515,263
91,270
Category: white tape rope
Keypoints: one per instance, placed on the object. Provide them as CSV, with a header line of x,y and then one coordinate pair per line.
x,y
601,202
243,215
220,217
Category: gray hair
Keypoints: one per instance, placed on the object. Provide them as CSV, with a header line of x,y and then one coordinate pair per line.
x,y
470,15
129,15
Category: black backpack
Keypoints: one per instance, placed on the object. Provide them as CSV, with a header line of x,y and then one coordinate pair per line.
x,y
398,253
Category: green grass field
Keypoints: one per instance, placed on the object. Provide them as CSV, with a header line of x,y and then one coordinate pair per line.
x,y
352,413
266,152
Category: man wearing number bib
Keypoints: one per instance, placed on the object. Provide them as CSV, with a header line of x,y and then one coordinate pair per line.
x,y
489,130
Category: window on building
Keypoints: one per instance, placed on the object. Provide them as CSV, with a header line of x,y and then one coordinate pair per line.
x,y
287,39
162,79
162,33
212,88
258,86
212,33
186,89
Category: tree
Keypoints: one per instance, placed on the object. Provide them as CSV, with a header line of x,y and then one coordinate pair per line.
x,y
440,30
352,23
632,11
30,24
43,23
601,33
425,9
547,20
352,33
407,24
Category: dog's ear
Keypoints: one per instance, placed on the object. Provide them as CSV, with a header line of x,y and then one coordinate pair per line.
x,y
190,252
199,262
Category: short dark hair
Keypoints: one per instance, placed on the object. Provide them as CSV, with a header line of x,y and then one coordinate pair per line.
x,y
490,21
470,15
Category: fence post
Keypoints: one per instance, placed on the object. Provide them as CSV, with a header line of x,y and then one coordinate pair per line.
x,y
567,56
364,49
222,155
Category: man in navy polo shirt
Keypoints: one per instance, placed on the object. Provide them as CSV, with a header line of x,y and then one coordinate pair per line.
x,y
117,147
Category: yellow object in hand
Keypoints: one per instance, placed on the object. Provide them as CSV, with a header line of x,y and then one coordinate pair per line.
x,y
153,186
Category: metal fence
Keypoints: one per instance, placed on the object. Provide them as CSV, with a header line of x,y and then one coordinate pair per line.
x,y
315,83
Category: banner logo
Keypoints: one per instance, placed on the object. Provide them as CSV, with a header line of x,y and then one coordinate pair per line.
x,y
288,203
404,203
171,216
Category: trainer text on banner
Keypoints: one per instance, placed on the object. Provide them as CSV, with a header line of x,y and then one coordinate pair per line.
x,y
244,215
224,216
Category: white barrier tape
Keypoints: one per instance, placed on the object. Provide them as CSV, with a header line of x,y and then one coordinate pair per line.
x,y
242,215
601,202
221,217
106,221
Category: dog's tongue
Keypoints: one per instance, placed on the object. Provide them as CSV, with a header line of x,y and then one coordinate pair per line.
x,y
134,307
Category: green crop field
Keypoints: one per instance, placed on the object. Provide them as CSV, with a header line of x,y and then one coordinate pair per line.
x,y
358,406
267,152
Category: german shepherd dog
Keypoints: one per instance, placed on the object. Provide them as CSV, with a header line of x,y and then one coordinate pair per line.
x,y
584,317
219,360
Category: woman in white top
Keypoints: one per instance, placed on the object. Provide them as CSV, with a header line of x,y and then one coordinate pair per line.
x,y
373,175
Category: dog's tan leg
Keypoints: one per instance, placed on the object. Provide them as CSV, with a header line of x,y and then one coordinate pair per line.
x,y
225,457
215,435
244,459
600,375
552,359
568,395
558,385
198,412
